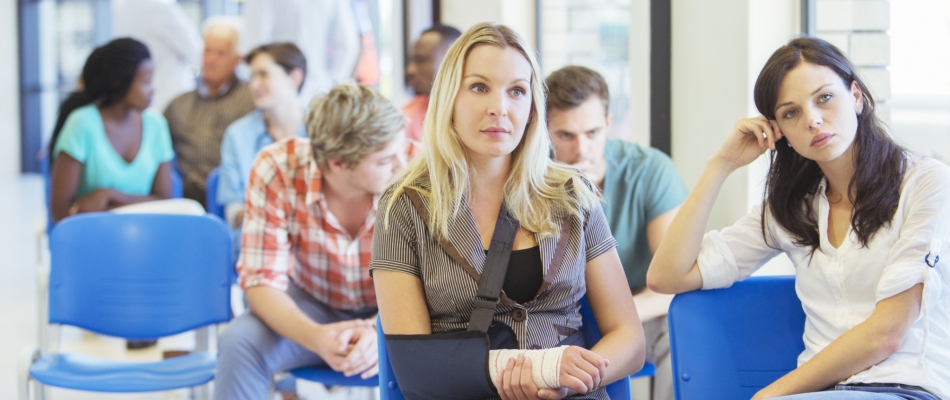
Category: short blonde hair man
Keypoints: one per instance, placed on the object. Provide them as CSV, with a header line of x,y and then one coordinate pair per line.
x,y
351,122
307,242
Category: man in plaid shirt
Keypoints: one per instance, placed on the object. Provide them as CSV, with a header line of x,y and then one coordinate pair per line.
x,y
307,243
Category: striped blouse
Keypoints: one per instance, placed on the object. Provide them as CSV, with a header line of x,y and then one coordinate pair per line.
x,y
449,271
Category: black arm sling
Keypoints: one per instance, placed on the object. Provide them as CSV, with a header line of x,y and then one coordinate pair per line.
x,y
454,365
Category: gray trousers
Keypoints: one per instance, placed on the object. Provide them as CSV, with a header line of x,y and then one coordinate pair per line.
x,y
656,333
250,353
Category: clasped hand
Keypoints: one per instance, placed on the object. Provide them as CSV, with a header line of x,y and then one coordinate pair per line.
x,y
348,347
581,371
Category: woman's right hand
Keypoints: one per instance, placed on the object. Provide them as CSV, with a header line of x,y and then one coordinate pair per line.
x,y
747,141
582,370
92,202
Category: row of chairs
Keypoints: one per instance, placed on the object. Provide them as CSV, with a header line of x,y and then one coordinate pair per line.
x,y
115,274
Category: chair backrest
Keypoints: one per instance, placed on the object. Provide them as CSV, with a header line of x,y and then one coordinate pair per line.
x,y
735,341
178,185
47,191
389,388
139,276
211,194
619,390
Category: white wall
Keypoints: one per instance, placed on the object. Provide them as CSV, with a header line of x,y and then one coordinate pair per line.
x,y
719,47
9,91
710,90
639,72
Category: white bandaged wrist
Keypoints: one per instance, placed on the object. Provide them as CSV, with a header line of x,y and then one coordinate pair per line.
x,y
545,365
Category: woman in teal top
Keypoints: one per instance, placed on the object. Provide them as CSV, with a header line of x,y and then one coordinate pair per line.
x,y
108,150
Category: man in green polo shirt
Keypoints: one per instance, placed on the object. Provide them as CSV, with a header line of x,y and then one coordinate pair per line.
x,y
641,187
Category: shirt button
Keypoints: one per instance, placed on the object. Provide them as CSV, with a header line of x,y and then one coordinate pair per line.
x,y
519,315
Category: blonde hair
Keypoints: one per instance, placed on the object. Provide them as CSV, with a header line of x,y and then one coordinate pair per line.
x,y
349,123
537,190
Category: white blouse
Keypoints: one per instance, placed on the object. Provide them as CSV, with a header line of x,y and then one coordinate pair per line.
x,y
839,288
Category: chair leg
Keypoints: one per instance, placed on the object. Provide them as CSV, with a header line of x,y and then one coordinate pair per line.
x,y
202,392
42,392
42,286
27,357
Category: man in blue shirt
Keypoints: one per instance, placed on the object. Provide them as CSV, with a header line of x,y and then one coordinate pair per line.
x,y
642,192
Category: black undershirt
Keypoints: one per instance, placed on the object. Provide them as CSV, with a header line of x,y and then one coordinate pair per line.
x,y
525,274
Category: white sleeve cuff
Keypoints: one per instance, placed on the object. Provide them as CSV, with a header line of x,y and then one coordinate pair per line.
x,y
901,276
717,265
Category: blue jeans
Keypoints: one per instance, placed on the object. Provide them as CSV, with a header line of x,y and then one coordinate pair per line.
x,y
862,392
250,353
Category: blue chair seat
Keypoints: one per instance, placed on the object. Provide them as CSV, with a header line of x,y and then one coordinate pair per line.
x,y
83,372
330,377
648,371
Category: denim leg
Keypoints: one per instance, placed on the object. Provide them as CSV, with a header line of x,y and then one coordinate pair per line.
x,y
849,392
896,392
839,395
250,353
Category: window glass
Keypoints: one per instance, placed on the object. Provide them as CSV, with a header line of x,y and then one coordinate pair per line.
x,y
920,84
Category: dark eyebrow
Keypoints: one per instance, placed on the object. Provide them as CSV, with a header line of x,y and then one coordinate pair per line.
x,y
812,93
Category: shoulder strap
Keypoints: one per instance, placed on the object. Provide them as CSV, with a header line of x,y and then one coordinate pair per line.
x,y
493,274
496,263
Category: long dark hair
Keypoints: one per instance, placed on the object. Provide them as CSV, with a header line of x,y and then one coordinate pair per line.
x,y
792,179
106,78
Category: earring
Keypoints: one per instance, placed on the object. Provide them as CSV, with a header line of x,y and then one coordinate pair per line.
x,y
788,143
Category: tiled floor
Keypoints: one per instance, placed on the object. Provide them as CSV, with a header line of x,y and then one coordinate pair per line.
x,y
21,209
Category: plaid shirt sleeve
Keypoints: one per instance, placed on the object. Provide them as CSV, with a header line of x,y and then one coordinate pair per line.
x,y
266,253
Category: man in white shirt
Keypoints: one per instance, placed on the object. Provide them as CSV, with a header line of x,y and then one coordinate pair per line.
x,y
172,39
325,30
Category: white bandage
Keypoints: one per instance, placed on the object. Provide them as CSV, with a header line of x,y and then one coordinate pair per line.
x,y
545,365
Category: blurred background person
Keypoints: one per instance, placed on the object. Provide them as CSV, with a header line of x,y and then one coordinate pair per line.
x,y
197,119
325,30
110,150
171,37
277,72
427,55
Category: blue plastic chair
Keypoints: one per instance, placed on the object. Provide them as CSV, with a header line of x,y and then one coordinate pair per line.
x,y
135,276
47,192
178,186
389,387
211,194
330,377
733,342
